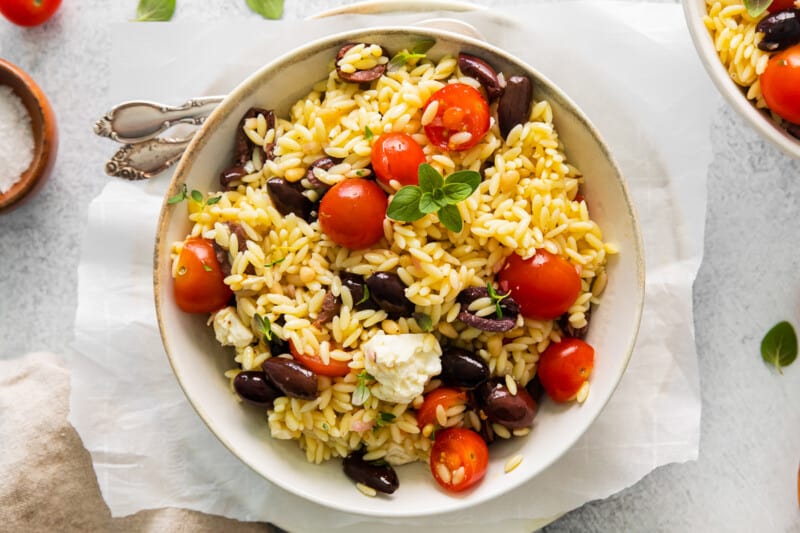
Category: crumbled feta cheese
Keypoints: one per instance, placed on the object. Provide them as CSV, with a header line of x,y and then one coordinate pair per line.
x,y
230,330
401,364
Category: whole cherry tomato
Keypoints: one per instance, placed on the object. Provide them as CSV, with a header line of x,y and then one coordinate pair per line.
x,y
351,213
443,396
335,368
461,109
780,5
564,367
397,156
28,12
459,458
780,84
544,286
199,285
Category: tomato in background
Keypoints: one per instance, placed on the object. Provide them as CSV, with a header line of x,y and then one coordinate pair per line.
x,y
461,109
544,285
397,156
454,449
199,285
28,12
443,396
335,368
564,367
780,84
351,213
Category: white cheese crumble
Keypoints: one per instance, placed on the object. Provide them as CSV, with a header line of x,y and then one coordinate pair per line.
x,y
230,330
401,364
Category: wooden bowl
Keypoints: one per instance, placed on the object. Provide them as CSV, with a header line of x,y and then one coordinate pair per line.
x,y
45,135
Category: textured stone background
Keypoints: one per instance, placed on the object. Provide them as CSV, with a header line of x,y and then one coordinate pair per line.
x,y
750,443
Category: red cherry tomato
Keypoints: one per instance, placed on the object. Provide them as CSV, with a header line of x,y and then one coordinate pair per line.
x,y
780,5
28,12
351,213
544,285
461,109
199,285
334,368
780,84
443,396
454,449
397,156
564,367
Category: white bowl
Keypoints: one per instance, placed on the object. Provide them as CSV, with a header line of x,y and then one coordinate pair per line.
x,y
199,361
694,11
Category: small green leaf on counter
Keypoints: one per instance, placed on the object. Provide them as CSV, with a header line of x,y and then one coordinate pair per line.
x,y
756,8
155,10
270,9
424,321
178,198
368,135
779,346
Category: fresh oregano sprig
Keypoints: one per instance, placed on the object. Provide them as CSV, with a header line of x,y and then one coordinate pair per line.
x,y
496,299
434,194
418,51
263,326
163,10
195,195
361,394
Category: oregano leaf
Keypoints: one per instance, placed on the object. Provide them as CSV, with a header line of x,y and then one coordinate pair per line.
x,y
429,178
450,216
779,346
404,206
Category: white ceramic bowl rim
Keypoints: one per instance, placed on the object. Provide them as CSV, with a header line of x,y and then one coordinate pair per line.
x,y
247,87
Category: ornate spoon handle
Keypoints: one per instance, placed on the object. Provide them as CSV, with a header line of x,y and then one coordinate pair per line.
x,y
138,121
144,160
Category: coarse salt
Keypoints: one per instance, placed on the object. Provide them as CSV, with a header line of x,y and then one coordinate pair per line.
x,y
16,150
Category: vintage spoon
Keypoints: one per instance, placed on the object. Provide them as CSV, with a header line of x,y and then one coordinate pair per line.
x,y
144,160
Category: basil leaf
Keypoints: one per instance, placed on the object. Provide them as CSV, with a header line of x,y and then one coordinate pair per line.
x,y
779,346
424,321
429,203
455,192
450,217
429,178
756,8
155,10
270,9
423,46
368,133
404,207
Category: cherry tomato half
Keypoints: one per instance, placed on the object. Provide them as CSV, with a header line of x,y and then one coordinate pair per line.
x,y
335,368
780,84
351,213
397,156
461,109
28,12
544,286
455,449
443,396
564,367
199,285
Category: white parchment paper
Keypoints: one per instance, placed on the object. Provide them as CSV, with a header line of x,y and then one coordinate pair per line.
x,y
632,69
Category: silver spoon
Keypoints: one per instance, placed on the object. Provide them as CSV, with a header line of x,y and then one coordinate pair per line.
x,y
144,160
138,121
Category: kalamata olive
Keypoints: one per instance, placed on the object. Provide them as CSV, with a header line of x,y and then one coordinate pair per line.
x,y
356,284
288,198
255,388
781,30
242,148
509,311
513,411
359,76
462,368
292,378
329,309
535,389
388,291
479,69
228,176
570,330
515,104
379,476
324,163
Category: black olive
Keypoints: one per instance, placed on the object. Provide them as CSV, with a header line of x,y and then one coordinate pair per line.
x,y
288,198
479,69
509,311
500,406
462,368
292,378
359,76
378,475
255,388
781,30
515,104
388,291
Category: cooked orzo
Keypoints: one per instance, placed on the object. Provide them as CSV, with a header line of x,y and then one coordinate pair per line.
x,y
390,262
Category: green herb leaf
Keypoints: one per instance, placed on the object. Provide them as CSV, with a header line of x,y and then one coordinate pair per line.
x,y
155,10
181,196
456,192
424,321
450,217
263,326
213,200
365,297
779,346
429,204
368,133
405,205
325,426
361,394
429,178
423,46
384,418
271,9
273,263
497,298
468,177
197,196
207,268
361,172
756,8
